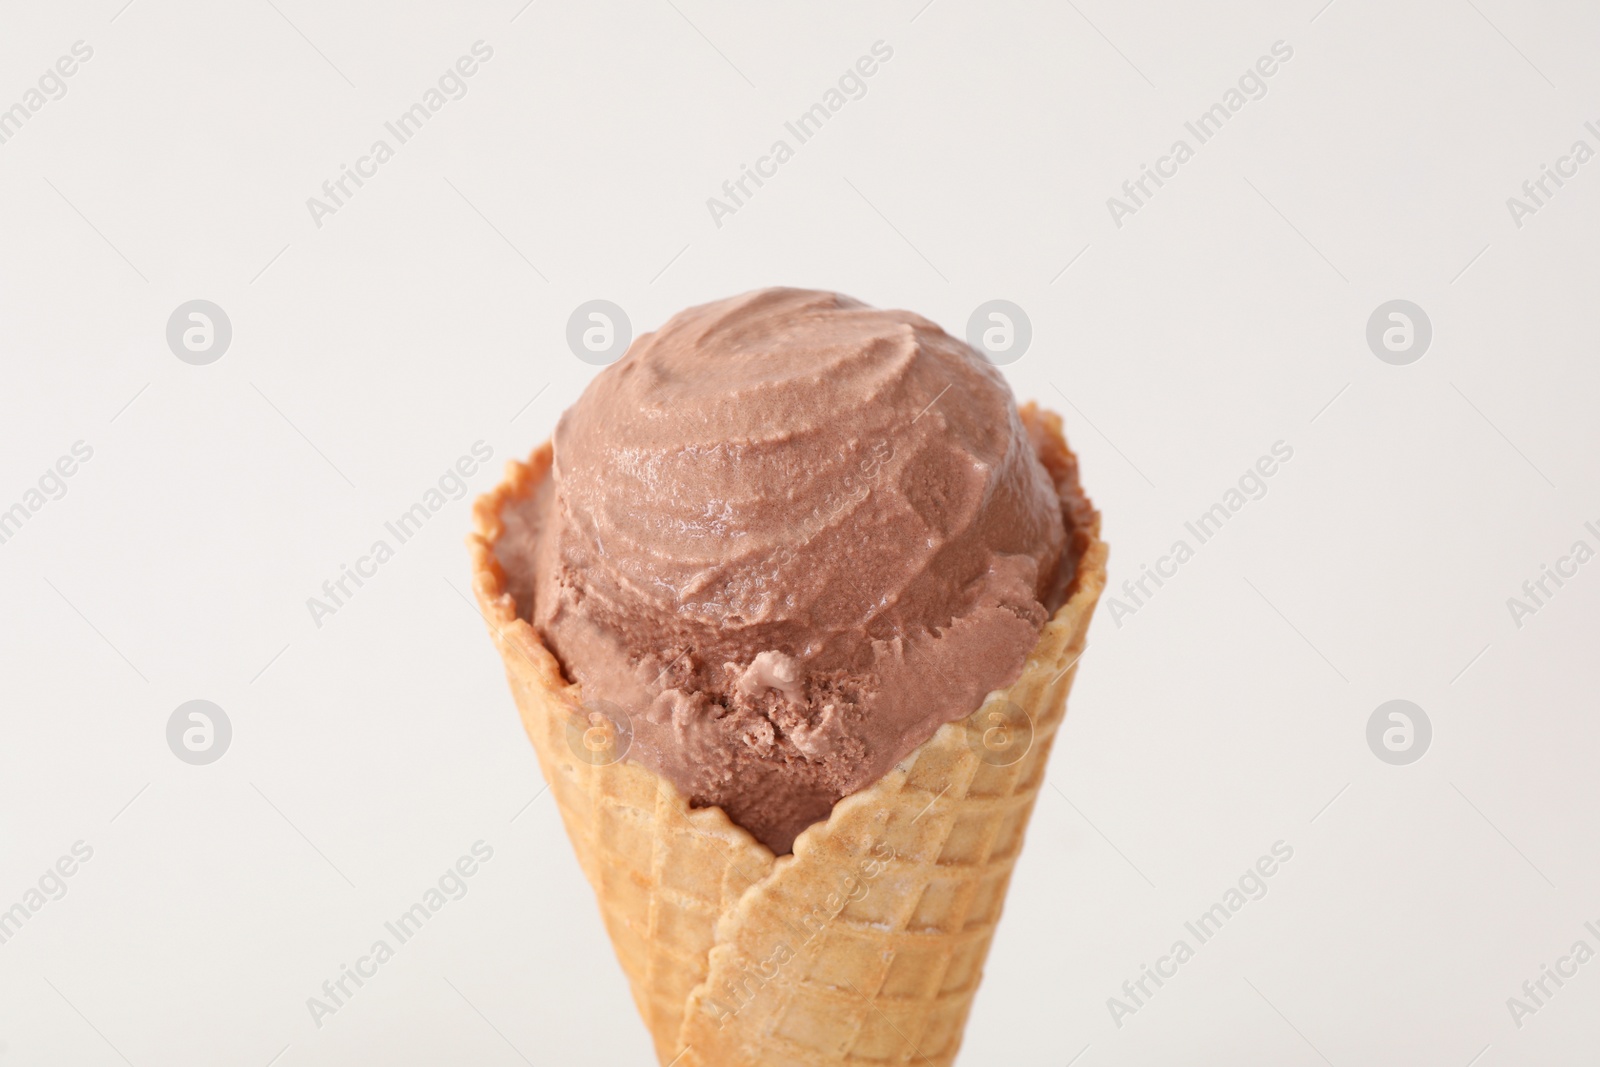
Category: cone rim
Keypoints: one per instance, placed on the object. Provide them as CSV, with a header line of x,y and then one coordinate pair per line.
x,y
517,635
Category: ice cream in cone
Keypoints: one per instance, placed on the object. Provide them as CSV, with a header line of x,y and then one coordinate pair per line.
x,y
826,892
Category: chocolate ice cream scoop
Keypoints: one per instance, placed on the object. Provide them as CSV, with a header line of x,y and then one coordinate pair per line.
x,y
789,536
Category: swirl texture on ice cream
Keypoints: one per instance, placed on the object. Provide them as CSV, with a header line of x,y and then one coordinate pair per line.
x,y
790,536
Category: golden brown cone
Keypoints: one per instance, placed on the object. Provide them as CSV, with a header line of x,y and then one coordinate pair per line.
x,y
866,945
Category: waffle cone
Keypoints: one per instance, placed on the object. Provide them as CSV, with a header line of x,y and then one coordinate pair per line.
x,y
866,946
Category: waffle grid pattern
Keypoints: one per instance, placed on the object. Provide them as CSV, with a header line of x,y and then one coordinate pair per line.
x,y
662,873
638,843
866,946
889,978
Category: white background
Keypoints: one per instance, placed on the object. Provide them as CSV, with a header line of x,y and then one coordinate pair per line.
x,y
368,354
